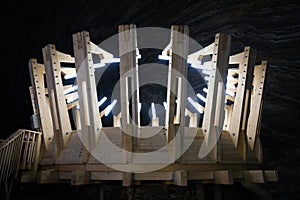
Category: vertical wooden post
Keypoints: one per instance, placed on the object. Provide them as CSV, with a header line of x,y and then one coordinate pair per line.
x,y
228,113
241,104
253,125
38,87
58,105
90,121
213,119
129,83
36,156
177,84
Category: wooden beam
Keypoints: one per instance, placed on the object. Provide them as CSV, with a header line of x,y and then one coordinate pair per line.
x,y
253,176
241,104
80,178
129,87
223,177
87,89
58,106
177,76
38,88
213,119
180,178
256,103
47,176
271,175
127,179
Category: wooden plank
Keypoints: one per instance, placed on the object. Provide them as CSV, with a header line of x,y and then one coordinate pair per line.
x,y
198,55
80,178
58,106
43,110
106,176
47,176
223,177
241,104
65,175
99,167
128,84
179,64
127,179
214,114
159,176
33,101
180,178
90,121
271,175
253,176
177,74
75,152
236,59
228,113
198,175
256,103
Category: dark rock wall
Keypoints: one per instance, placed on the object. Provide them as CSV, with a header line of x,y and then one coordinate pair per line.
x,y
271,27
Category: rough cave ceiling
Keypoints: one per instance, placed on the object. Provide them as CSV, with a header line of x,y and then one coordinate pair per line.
x,y
271,27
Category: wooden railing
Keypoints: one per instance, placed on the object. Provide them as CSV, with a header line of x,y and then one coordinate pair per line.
x,y
19,151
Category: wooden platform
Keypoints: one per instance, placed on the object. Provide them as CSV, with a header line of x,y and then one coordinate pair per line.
x,y
77,166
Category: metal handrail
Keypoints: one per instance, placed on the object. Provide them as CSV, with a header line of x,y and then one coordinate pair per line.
x,y
19,151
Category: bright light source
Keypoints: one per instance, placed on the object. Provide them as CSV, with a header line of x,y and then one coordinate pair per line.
x,y
195,105
110,107
102,101
202,98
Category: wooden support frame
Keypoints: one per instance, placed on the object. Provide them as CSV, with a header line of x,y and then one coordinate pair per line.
x,y
37,72
90,121
129,85
256,103
177,75
76,165
213,119
240,111
254,119
58,106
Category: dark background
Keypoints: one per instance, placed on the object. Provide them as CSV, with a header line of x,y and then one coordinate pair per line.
x,y
271,27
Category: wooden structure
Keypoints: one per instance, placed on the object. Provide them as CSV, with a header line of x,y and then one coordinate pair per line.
x,y
58,152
